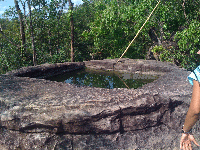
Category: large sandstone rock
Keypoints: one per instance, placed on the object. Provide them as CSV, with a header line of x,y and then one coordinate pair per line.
x,y
41,114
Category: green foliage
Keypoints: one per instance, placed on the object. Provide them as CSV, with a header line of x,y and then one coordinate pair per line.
x,y
51,32
162,54
103,29
189,44
168,55
113,28
157,49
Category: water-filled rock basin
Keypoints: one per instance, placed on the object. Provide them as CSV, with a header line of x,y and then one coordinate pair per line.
x,y
42,114
104,79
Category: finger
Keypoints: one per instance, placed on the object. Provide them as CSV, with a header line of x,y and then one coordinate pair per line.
x,y
195,142
181,144
190,147
185,146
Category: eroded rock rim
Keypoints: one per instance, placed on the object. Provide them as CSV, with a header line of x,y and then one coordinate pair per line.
x,y
30,105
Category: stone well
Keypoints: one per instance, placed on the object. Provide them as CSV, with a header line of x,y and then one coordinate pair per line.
x,y
41,114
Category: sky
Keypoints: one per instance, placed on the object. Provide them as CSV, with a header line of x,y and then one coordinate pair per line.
x,y
4,4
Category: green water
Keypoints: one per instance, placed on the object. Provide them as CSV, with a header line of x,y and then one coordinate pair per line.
x,y
104,79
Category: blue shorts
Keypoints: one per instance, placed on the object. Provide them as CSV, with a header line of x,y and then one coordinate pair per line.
x,y
195,75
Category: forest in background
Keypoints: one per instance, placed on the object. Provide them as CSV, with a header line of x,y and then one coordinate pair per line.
x,y
41,31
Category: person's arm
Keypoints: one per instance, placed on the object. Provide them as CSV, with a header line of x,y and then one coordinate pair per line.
x,y
194,109
191,118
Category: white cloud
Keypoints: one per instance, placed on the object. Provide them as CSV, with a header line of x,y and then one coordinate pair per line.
x,y
1,12
3,8
77,2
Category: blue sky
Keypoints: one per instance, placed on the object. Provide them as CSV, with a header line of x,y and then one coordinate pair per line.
x,y
4,4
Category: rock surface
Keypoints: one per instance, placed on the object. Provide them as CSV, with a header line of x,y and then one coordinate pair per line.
x,y
46,70
41,114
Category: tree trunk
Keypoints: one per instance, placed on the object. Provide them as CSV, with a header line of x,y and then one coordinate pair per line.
x,y
32,36
50,47
72,30
58,39
22,32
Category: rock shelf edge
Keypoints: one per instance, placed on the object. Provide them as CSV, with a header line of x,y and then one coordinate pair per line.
x,y
42,114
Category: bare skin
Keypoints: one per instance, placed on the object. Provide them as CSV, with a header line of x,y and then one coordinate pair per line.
x,y
191,117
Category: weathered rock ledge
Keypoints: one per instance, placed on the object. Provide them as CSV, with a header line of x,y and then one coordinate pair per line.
x,y
41,114
46,70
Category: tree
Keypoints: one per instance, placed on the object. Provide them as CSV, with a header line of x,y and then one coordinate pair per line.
x,y
32,35
22,31
72,29
102,29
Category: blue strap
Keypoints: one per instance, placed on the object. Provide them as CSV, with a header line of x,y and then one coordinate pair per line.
x,y
196,76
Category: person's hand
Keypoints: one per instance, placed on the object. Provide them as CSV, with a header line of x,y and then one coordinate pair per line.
x,y
198,52
186,140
